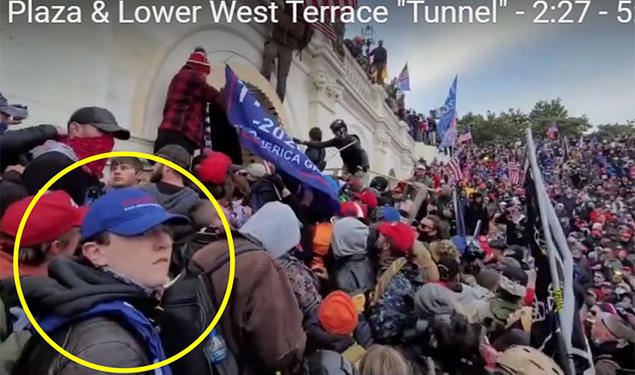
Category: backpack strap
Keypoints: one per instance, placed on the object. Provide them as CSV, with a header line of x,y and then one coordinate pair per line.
x,y
385,278
243,248
206,281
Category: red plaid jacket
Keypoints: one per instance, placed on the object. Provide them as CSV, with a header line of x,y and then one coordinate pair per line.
x,y
185,105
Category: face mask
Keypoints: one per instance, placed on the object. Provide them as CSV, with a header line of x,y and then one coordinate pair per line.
x,y
425,237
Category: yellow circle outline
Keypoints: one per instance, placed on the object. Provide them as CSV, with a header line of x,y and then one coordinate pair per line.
x,y
124,370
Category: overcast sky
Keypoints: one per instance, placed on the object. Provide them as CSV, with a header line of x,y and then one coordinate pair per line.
x,y
515,63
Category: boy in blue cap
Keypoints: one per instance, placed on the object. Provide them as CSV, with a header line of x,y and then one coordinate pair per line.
x,y
100,305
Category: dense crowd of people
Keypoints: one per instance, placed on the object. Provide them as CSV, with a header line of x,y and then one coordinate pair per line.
x,y
126,272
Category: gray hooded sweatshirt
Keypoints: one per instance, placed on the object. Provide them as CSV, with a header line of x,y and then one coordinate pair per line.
x,y
353,271
275,226
178,203
349,237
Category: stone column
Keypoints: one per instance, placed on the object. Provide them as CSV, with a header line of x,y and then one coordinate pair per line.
x,y
381,160
324,96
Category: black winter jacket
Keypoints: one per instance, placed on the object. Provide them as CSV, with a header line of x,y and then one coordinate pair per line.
x,y
354,156
74,287
76,183
318,338
474,213
17,142
317,155
11,190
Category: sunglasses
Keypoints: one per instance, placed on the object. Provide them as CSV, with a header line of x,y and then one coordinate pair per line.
x,y
423,226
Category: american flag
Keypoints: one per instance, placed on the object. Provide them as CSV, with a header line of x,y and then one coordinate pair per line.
x,y
465,137
453,170
326,28
404,79
515,174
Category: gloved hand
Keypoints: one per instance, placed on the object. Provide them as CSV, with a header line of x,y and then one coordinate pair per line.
x,y
277,182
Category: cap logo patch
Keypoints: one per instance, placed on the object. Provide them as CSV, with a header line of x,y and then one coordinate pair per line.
x,y
141,205
137,201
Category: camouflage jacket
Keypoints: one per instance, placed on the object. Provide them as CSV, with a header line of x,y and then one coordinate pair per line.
x,y
394,311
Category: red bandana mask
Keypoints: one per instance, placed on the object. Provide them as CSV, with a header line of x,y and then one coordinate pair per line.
x,y
86,147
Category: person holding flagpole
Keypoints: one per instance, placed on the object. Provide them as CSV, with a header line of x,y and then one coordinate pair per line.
x,y
353,155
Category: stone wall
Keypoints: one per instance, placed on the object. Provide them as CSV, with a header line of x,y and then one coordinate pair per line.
x,y
55,69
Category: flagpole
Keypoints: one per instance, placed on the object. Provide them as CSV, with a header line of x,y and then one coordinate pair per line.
x,y
340,150
566,313
455,198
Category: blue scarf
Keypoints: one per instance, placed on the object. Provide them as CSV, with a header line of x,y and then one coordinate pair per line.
x,y
125,313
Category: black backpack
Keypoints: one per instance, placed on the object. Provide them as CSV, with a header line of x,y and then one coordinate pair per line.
x,y
189,307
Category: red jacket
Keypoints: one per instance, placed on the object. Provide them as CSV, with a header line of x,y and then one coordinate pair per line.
x,y
185,105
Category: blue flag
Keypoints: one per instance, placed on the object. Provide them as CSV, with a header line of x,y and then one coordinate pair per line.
x,y
447,121
262,135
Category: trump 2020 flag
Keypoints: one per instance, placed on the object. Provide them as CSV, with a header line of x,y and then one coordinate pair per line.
x,y
447,121
262,135
404,79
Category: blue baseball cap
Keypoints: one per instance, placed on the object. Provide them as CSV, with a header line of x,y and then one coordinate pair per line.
x,y
126,212
390,213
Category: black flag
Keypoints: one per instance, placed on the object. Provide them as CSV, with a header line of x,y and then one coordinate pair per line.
x,y
544,321
545,328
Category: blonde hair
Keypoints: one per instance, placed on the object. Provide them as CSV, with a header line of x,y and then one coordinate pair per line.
x,y
384,360
443,249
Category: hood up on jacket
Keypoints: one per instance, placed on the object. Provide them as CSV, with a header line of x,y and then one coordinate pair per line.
x,y
350,237
433,299
178,203
73,287
275,226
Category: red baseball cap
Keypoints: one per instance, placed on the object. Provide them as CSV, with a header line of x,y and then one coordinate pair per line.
x,y
214,168
401,235
54,214
368,198
351,209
